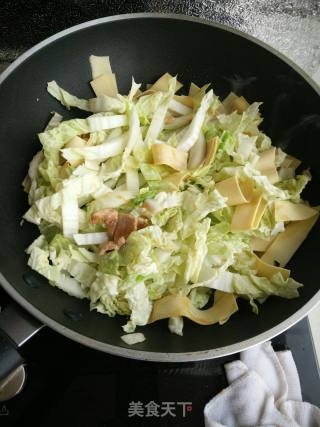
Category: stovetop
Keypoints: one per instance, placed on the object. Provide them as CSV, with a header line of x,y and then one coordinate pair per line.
x,y
71,385
74,386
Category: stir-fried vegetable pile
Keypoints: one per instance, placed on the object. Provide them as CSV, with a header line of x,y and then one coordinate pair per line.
x,y
161,205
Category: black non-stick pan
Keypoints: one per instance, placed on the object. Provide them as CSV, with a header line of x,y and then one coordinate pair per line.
x,y
146,46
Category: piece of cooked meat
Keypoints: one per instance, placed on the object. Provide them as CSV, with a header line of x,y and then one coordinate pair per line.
x,y
126,224
109,218
118,225
111,246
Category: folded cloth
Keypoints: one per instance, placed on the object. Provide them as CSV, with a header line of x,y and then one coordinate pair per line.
x,y
264,390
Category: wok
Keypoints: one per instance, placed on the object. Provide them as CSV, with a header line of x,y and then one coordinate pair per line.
x,y
146,46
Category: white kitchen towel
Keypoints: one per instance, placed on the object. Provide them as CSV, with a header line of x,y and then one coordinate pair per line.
x,y
264,390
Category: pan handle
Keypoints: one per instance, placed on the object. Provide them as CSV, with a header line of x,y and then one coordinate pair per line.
x,y
16,327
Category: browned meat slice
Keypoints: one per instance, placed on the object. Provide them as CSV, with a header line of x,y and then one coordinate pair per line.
x,y
126,224
118,225
112,246
109,218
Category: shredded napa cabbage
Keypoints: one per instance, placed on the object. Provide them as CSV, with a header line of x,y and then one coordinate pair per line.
x,y
153,159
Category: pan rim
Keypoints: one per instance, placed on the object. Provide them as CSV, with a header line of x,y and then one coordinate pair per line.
x,y
129,352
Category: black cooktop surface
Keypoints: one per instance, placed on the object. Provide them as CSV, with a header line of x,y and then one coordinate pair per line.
x,y
73,386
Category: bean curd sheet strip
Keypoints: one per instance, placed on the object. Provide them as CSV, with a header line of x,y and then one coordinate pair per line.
x,y
175,305
286,244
